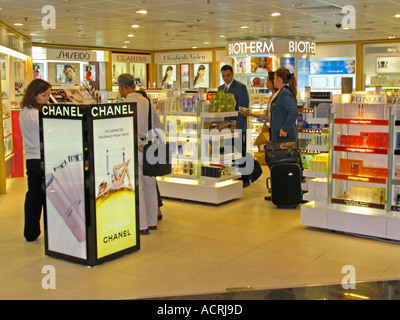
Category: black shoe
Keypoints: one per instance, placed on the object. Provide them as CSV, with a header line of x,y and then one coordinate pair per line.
x,y
144,232
152,227
159,217
30,238
268,198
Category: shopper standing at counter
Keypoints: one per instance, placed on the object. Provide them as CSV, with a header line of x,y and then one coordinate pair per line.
x,y
37,94
147,185
241,94
284,107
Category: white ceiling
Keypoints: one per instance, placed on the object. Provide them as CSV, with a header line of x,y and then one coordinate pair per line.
x,y
182,24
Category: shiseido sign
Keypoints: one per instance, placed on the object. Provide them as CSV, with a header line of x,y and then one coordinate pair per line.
x,y
280,46
70,55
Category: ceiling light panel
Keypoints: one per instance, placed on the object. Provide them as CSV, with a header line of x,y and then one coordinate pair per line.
x,y
113,19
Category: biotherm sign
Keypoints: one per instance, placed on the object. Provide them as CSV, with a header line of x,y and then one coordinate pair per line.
x,y
280,46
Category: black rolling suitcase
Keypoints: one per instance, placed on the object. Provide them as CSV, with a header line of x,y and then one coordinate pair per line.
x,y
284,184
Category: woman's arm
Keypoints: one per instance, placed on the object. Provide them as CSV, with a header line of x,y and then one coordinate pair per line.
x,y
290,106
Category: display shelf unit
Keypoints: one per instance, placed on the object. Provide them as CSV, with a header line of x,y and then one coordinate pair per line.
x,y
313,134
6,124
202,170
394,178
12,85
362,188
360,160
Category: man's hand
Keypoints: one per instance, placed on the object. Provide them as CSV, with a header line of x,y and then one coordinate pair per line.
x,y
282,133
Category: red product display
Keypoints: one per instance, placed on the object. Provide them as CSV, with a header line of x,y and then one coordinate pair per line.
x,y
350,140
366,139
18,146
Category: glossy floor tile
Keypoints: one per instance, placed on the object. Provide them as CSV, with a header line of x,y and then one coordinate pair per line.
x,y
243,249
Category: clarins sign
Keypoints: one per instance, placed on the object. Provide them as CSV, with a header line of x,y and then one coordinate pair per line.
x,y
279,46
136,58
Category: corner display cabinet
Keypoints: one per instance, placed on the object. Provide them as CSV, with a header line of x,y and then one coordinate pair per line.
x,y
197,132
362,183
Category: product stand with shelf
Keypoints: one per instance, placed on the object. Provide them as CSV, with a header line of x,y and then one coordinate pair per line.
x,y
13,75
200,169
313,133
394,177
361,187
395,165
6,123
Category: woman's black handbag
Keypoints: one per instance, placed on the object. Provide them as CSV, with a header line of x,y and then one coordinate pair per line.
x,y
156,156
281,151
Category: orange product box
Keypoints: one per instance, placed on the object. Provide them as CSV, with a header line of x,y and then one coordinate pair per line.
x,y
350,140
369,171
350,166
385,140
343,140
368,139
383,172
382,140
374,172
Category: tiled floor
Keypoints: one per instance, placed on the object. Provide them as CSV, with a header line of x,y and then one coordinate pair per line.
x,y
198,249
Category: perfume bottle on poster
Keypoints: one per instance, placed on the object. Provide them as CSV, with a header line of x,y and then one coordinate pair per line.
x,y
62,170
65,208
75,163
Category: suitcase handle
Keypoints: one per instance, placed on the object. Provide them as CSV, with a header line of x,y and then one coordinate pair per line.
x,y
268,182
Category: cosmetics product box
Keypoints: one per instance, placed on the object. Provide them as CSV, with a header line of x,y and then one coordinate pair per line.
x,y
369,171
350,166
211,171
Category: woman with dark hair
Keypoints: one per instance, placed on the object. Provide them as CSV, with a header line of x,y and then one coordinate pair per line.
x,y
284,108
36,96
199,78
166,82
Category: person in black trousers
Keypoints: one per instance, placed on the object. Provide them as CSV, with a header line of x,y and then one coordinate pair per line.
x,y
36,95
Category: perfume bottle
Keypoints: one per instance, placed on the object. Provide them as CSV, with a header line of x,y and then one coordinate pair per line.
x,y
75,164
365,139
64,176
65,208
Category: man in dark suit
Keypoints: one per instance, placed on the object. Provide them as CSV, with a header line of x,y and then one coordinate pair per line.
x,y
241,94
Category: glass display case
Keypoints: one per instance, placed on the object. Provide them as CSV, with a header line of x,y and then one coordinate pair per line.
x,y
313,133
360,155
203,169
13,75
6,106
362,179
394,178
